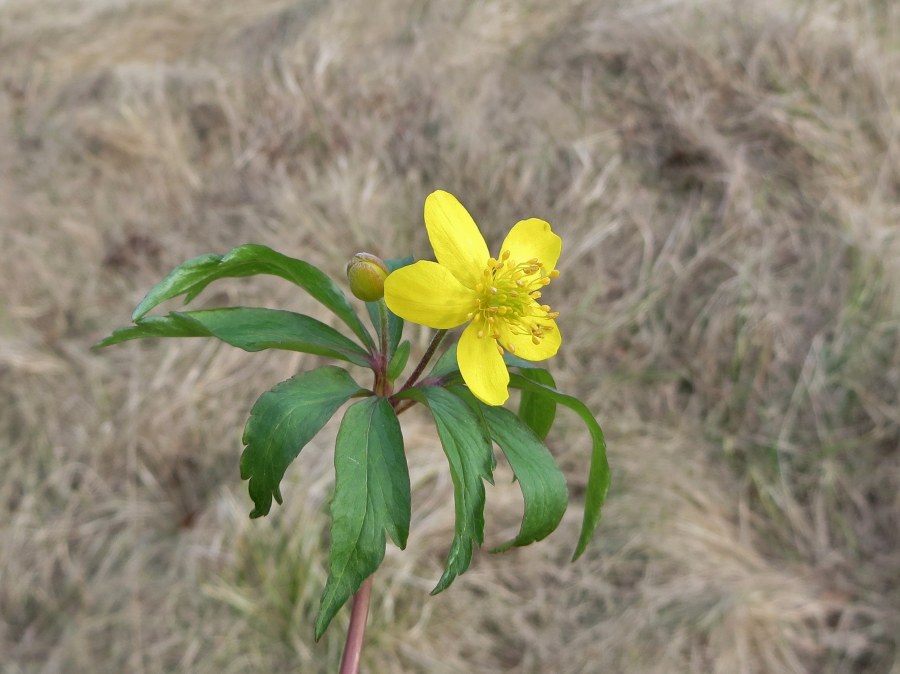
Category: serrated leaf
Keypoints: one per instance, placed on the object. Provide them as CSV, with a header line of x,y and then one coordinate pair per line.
x,y
398,362
371,496
470,454
598,476
191,277
248,328
536,409
282,421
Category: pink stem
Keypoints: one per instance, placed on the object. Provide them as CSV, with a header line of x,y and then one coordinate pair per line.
x,y
356,631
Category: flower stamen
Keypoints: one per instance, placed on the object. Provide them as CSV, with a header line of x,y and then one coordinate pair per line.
x,y
508,295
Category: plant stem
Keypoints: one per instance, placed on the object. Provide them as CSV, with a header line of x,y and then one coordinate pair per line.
x,y
429,352
381,362
382,315
356,631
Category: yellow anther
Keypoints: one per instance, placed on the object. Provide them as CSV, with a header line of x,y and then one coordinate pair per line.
x,y
504,300
512,348
554,273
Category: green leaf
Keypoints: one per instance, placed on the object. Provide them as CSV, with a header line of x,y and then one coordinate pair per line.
x,y
598,476
282,421
543,485
398,362
470,454
191,277
514,361
371,496
394,324
248,328
535,409
446,364
399,263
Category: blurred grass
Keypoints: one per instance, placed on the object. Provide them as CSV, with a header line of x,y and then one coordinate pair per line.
x,y
726,180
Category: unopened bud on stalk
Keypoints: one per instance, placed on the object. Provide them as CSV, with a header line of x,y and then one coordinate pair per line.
x,y
366,273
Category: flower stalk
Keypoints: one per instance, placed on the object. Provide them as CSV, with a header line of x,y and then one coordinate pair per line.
x,y
426,358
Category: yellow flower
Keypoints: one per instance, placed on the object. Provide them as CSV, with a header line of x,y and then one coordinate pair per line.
x,y
498,297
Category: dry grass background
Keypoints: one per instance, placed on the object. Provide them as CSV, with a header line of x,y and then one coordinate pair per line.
x,y
726,178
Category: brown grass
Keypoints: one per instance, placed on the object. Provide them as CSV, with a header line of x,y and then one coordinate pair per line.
x,y
726,178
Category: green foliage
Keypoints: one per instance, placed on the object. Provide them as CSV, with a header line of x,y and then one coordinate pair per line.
x,y
372,488
282,421
394,323
248,328
371,496
598,476
446,364
468,448
536,410
543,485
191,277
398,361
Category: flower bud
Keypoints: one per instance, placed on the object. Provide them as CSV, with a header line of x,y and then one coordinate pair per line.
x,y
366,273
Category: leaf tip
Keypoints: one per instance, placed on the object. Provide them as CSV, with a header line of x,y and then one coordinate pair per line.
x,y
503,547
102,344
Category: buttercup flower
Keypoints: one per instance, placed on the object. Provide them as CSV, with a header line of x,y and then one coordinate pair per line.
x,y
497,297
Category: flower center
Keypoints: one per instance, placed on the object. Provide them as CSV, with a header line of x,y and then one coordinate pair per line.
x,y
508,294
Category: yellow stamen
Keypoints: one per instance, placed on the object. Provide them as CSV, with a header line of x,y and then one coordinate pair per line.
x,y
507,295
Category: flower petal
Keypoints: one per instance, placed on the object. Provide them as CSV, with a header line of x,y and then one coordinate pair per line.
x,y
428,294
533,238
454,236
522,346
482,366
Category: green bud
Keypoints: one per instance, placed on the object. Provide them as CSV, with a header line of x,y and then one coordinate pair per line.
x,y
366,273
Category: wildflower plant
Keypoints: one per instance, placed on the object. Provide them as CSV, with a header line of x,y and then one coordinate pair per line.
x,y
507,328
